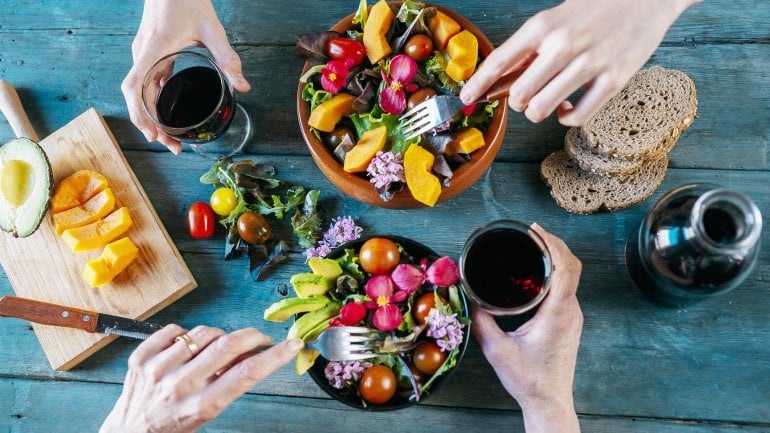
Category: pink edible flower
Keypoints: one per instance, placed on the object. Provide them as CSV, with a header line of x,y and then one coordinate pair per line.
x,y
408,278
387,316
402,70
443,272
341,230
338,373
334,76
445,328
386,168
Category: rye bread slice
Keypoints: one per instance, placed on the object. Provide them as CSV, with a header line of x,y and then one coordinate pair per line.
x,y
583,192
645,119
579,151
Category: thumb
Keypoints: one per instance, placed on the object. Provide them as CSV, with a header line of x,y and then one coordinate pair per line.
x,y
485,329
228,61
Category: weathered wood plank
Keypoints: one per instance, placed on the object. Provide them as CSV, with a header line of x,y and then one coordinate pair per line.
x,y
41,406
636,359
711,21
733,90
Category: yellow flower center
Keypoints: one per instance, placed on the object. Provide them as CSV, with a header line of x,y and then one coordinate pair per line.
x,y
396,86
333,76
381,300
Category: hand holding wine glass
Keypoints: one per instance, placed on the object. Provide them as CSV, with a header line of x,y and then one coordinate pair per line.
x,y
165,28
536,362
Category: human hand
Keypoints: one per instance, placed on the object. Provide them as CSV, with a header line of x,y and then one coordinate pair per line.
x,y
536,362
168,26
170,389
596,44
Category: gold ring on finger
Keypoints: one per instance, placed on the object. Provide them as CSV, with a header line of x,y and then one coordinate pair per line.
x,y
185,338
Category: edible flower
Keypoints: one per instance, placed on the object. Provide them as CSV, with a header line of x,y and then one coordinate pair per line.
x,y
442,273
334,76
341,230
445,328
387,316
402,70
338,373
386,168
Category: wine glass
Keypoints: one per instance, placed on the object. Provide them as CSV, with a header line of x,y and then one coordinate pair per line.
x,y
188,97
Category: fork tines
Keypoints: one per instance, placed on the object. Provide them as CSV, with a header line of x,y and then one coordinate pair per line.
x,y
419,119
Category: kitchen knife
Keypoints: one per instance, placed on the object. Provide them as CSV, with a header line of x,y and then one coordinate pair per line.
x,y
89,321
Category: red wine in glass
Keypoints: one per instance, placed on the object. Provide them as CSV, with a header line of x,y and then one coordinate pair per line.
x,y
196,105
505,268
189,99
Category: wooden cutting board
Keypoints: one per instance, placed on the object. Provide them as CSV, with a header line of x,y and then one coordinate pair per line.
x,y
42,267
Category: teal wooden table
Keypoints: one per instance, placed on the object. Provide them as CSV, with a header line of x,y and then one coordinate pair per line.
x,y
641,368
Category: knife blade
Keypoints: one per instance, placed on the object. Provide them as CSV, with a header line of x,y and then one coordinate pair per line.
x,y
45,313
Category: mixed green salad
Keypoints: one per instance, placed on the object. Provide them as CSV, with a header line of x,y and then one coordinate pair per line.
x,y
412,301
389,61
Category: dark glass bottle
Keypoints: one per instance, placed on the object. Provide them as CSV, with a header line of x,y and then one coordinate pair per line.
x,y
697,241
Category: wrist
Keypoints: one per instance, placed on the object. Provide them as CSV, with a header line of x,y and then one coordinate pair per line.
x,y
544,415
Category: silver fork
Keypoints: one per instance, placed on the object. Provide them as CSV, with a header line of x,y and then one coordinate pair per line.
x,y
439,109
346,343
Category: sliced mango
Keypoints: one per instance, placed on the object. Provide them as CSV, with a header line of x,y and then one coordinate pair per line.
x,y
77,189
443,28
466,141
326,115
359,157
377,26
99,206
424,185
463,49
114,259
99,233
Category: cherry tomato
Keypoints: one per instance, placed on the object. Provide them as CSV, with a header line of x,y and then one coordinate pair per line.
x,y
379,256
253,228
419,47
346,48
378,384
223,201
428,357
200,220
337,136
419,96
423,305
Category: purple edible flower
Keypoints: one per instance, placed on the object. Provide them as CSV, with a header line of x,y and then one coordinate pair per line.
x,y
445,328
338,373
341,230
386,168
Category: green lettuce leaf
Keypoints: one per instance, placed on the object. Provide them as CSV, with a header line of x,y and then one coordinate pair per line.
x,y
375,119
315,97
362,14
436,66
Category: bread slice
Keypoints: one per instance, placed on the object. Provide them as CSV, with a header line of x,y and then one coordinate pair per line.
x,y
579,152
644,120
583,192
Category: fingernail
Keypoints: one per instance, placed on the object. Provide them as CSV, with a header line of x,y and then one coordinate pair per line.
x,y
242,81
296,344
535,226
147,135
465,97
176,150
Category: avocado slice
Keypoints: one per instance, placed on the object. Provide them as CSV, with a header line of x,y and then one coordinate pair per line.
x,y
285,308
26,183
327,267
309,321
305,359
307,284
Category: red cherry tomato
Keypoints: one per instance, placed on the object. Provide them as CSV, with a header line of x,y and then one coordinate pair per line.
x,y
419,47
200,220
379,256
345,48
428,357
378,384
468,109
423,305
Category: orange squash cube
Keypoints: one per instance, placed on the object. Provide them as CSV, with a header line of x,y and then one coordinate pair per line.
x,y
424,185
99,206
359,157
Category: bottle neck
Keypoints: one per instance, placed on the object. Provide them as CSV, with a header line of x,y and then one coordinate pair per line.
x,y
725,222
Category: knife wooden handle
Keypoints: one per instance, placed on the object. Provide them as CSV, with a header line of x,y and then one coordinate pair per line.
x,y
10,105
48,314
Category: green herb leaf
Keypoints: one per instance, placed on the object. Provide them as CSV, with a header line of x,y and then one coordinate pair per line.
x,y
436,66
361,14
307,221
349,263
375,119
214,176
315,97
480,117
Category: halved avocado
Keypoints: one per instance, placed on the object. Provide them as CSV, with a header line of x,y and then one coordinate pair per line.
x,y
26,183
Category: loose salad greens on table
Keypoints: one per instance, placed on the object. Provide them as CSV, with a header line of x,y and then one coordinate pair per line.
x,y
413,301
247,194
389,61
